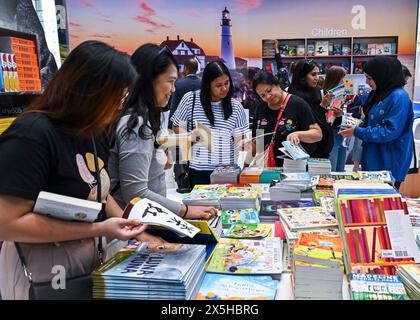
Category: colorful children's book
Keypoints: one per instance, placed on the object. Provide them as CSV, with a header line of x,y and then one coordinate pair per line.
x,y
295,152
249,230
387,48
371,49
377,287
232,216
321,48
306,218
234,287
311,49
237,256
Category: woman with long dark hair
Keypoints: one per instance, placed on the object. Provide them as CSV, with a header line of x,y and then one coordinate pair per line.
x,y
136,163
305,85
386,131
50,147
214,107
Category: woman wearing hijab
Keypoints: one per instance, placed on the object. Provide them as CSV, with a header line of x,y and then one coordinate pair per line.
x,y
386,131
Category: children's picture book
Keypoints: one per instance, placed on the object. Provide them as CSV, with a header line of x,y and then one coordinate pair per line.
x,y
376,287
269,207
237,256
311,49
346,50
321,48
349,86
292,51
337,49
234,287
67,208
292,151
387,48
249,230
232,216
338,93
375,176
300,50
371,49
379,48
152,213
306,218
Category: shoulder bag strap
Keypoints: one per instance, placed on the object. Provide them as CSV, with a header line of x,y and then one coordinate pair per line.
x,y
286,100
192,112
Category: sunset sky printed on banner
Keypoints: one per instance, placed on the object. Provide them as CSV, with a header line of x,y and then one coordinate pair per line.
x,y
126,24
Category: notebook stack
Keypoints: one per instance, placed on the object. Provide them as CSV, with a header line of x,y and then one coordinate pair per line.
x,y
280,192
291,166
225,174
150,273
240,198
410,276
319,166
366,286
317,268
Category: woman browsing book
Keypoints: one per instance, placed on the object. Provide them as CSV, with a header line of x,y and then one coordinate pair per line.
x,y
51,147
280,117
137,162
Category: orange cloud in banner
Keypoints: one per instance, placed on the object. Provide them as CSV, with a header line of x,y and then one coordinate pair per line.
x,y
145,18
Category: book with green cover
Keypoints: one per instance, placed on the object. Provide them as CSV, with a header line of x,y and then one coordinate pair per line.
x,y
376,287
231,216
249,230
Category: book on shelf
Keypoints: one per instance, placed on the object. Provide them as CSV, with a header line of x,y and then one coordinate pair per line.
x,y
321,48
152,213
249,230
346,50
393,48
376,287
292,52
67,208
330,48
380,48
337,49
234,287
371,49
283,49
306,218
292,151
358,67
387,48
360,49
237,256
232,216
311,49
300,50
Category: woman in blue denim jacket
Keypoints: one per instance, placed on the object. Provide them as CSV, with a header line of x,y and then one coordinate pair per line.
x,y
387,127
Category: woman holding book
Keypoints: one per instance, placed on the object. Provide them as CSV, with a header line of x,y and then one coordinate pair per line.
x,y
137,162
214,107
281,116
54,146
305,85
386,131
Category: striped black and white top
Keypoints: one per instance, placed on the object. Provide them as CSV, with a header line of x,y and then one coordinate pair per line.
x,y
224,131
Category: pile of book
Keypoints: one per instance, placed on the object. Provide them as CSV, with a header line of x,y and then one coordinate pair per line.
x,y
410,276
232,216
376,287
250,175
290,165
270,174
225,174
152,273
236,287
375,176
279,192
319,166
240,198
317,267
201,197
268,209
319,193
264,188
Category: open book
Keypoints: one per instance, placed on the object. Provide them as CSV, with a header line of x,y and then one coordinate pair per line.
x,y
295,152
66,208
152,213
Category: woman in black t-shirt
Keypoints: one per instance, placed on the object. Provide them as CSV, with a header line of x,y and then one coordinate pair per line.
x,y
51,148
293,115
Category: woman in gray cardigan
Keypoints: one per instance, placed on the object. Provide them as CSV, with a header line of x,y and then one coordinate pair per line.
x,y
135,165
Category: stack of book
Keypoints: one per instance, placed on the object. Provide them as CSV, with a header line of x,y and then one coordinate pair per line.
x,y
263,187
290,165
201,197
270,174
237,256
240,198
268,210
413,206
225,174
152,273
232,216
250,175
410,276
279,192
376,287
319,193
317,268
375,176
319,166
235,287
249,230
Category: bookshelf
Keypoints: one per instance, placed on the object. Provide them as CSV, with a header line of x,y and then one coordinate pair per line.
x,y
348,52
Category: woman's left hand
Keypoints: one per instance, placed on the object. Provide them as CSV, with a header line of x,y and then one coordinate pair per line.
x,y
349,132
294,138
201,212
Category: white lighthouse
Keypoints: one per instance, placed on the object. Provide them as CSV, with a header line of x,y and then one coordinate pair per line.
x,y
227,45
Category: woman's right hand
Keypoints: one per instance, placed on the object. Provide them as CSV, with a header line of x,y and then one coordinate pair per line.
x,y
122,229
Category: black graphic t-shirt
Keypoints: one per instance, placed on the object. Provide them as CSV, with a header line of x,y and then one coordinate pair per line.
x,y
297,116
38,155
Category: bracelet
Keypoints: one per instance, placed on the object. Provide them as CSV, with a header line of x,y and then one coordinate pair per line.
x,y
186,211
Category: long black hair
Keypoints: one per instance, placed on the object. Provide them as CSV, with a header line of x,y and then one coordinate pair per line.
x,y
300,87
150,61
212,71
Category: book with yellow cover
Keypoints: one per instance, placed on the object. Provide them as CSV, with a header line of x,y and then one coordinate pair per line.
x,y
249,230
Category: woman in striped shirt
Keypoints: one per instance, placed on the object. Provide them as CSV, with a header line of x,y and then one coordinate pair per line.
x,y
214,107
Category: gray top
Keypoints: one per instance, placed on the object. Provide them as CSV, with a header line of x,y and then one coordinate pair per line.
x,y
133,162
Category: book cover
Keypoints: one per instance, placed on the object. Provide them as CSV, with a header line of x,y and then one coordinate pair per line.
x,y
234,287
249,230
295,152
363,48
283,49
232,216
346,49
321,48
152,213
349,86
337,49
311,49
306,218
300,50
387,48
292,51
375,176
371,49
269,207
237,256
376,287
380,48
356,48
67,208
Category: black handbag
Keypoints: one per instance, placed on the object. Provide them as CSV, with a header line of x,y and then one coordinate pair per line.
x,y
181,170
76,288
